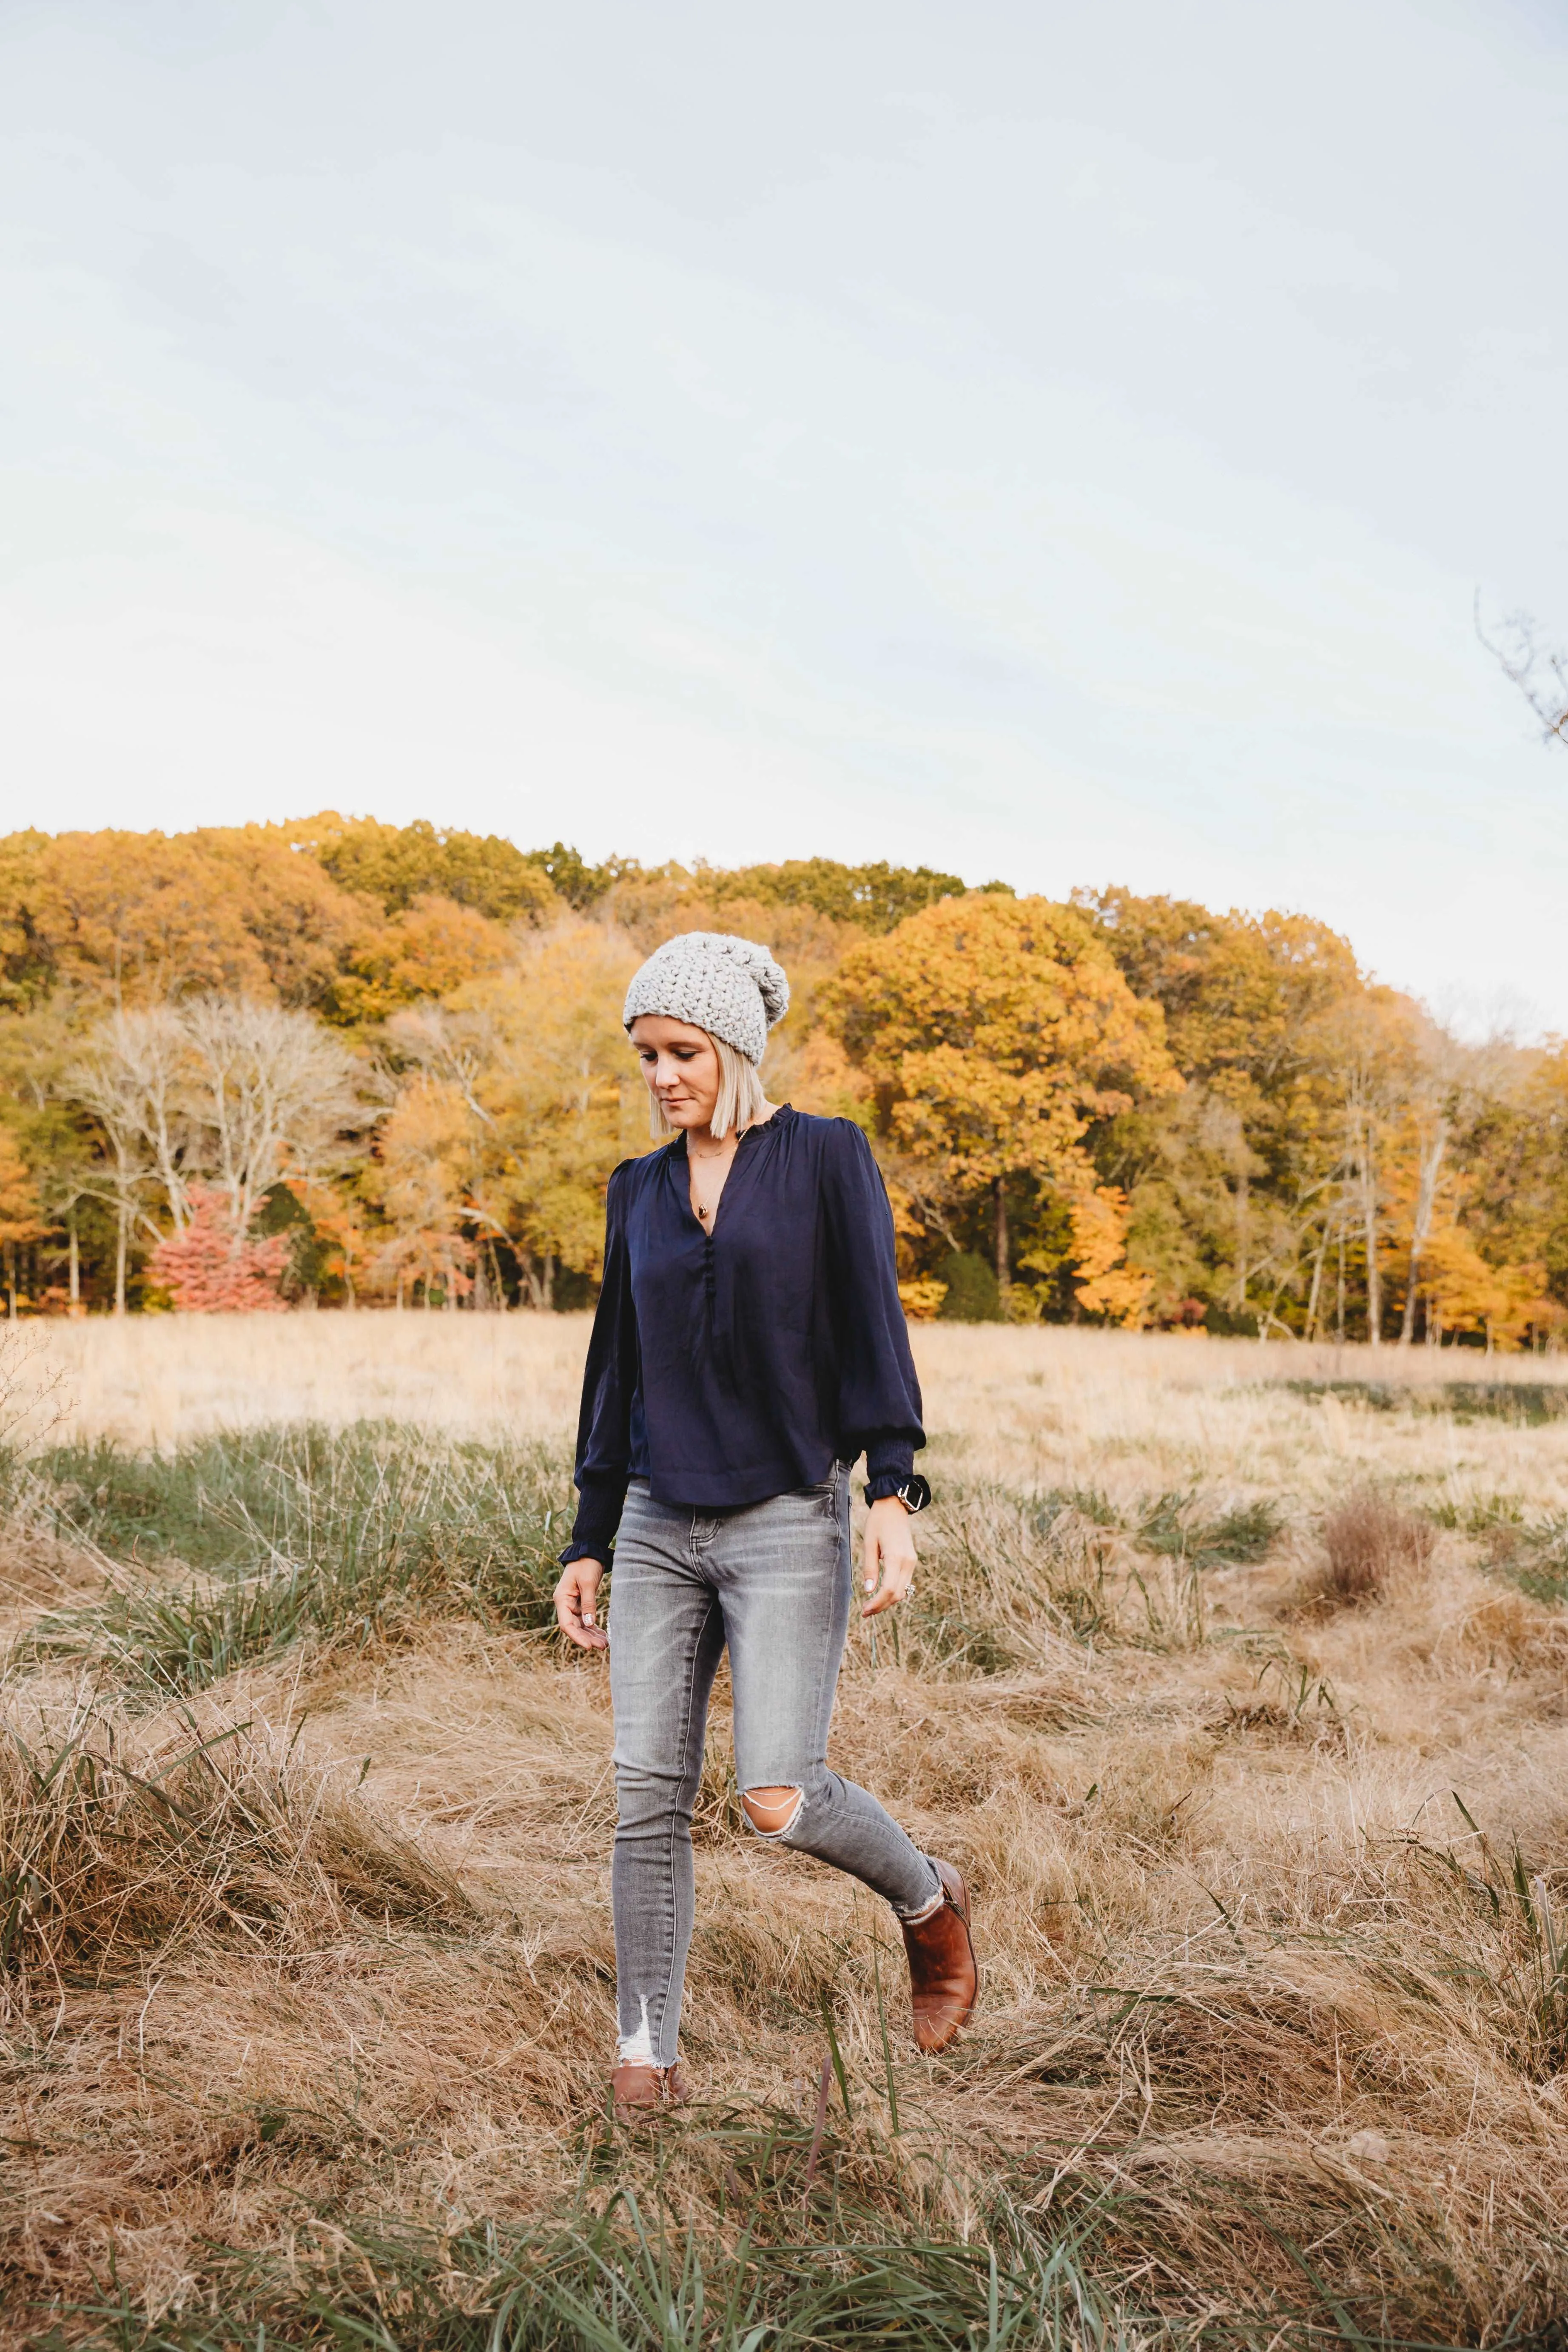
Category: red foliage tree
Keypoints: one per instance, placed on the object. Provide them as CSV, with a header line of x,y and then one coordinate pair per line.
x,y
209,1268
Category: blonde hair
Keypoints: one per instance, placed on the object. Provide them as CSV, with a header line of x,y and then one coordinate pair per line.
x,y
740,1101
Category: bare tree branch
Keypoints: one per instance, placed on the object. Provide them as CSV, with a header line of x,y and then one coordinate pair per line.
x,y
1540,672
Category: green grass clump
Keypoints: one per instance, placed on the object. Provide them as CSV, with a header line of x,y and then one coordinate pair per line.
x,y
1091,1503
1529,1404
1174,1527
296,1530
1529,1548
631,2279
1534,1556
237,1499
1482,1515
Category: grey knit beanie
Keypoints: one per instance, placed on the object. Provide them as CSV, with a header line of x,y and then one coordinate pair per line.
x,y
731,987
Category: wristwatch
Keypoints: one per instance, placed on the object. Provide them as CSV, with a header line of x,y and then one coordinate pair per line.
x,y
914,1493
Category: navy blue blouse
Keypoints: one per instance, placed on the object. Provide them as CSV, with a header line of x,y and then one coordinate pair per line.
x,y
731,1365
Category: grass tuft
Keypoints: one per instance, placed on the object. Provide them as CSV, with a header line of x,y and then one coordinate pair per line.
x,y
114,1852
630,2278
344,1534
1368,1540
1176,1527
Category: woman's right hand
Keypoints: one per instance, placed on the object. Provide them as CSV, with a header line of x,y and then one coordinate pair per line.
x,y
575,1599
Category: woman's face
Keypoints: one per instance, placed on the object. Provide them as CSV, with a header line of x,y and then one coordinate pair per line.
x,y
680,1066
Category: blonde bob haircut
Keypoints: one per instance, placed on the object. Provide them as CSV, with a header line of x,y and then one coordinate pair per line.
x,y
740,1101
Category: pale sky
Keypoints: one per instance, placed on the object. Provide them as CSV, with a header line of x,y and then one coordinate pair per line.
x,y
1047,441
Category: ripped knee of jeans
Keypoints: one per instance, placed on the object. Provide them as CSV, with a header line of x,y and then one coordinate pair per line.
x,y
773,1812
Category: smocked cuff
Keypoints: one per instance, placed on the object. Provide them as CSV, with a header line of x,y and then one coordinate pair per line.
x,y
599,1507
889,1465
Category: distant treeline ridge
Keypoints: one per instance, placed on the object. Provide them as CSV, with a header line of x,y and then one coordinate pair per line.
x,y
336,1062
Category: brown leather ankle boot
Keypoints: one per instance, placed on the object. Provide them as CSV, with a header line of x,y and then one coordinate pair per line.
x,y
641,2093
943,1980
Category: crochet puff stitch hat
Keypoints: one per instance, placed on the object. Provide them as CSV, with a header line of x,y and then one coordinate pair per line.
x,y
729,986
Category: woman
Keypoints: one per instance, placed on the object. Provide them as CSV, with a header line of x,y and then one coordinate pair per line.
x,y
740,1363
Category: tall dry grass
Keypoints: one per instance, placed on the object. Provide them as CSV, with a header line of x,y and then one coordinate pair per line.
x,y
1235,1679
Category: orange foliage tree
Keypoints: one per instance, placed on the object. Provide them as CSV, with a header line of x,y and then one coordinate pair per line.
x,y
20,1217
422,1179
994,1031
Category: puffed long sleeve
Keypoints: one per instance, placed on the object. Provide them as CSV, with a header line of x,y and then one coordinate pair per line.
x,y
609,1391
879,1401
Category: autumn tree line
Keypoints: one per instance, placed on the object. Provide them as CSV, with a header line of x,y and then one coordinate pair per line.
x,y
344,1063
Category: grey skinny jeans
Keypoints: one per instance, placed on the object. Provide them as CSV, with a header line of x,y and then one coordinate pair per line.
x,y
772,1581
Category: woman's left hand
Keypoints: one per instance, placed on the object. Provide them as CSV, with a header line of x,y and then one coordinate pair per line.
x,y
889,1555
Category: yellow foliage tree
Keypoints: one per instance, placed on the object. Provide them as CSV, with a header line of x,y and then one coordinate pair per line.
x,y
427,951
822,1079
553,1099
993,1032
290,912
421,1179
134,918
398,865
1106,1284
337,1215
1465,1294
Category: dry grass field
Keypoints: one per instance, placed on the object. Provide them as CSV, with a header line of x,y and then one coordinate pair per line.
x,y
1237,1679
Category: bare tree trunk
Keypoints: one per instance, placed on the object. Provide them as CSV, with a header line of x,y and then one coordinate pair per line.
x,y
1426,1205
122,1247
1002,1271
549,1289
1368,1224
75,1264
1317,1282
1340,1307
11,1279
